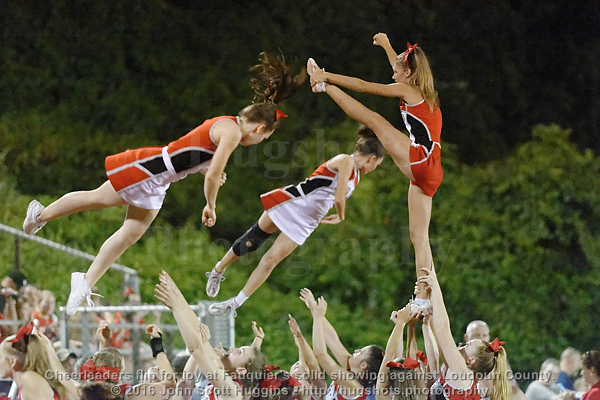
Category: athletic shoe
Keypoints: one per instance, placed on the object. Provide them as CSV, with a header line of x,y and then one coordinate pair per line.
x,y
79,291
425,308
311,67
214,282
223,307
31,224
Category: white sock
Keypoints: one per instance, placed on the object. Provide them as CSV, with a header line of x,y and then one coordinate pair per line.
x,y
240,298
421,302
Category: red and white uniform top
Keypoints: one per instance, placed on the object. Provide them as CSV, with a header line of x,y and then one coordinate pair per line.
x,y
142,176
425,130
335,392
453,393
424,127
297,210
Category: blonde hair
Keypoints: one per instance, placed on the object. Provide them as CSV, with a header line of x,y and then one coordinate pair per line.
x,y
31,356
485,362
420,76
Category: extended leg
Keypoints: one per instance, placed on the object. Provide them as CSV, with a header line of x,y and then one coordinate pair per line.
x,y
395,142
419,216
248,242
282,248
135,225
103,197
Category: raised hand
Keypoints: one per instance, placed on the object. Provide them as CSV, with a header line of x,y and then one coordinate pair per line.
x,y
153,330
381,39
308,298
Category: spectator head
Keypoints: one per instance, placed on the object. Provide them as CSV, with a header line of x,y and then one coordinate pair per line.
x,y
549,371
590,367
477,329
47,303
179,362
31,294
68,359
570,361
14,280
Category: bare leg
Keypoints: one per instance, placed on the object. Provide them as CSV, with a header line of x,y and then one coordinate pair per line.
x,y
265,223
103,197
395,142
135,225
419,216
282,248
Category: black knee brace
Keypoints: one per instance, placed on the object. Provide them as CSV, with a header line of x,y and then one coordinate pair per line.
x,y
250,241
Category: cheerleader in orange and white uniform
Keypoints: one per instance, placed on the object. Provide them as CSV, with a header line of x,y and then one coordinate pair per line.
x,y
140,178
297,211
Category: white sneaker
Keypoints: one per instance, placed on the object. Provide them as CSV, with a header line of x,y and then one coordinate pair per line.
x,y
311,67
425,308
213,284
223,307
79,291
31,224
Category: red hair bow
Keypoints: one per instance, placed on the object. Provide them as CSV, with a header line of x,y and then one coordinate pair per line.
x,y
495,345
271,381
98,374
408,363
279,114
291,381
409,49
24,331
421,357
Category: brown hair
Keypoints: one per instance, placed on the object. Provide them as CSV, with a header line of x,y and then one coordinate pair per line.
x,y
274,79
367,143
420,76
264,112
591,359
31,356
402,382
109,357
254,371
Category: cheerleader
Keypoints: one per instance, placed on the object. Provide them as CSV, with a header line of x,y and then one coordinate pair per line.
x,y
140,178
296,211
417,156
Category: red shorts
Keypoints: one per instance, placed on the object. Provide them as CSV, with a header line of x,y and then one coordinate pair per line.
x,y
426,168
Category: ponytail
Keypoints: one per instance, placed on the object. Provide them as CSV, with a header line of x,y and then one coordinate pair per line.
x,y
274,79
501,389
421,76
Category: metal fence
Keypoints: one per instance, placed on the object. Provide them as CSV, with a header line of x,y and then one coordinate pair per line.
x,y
222,328
130,276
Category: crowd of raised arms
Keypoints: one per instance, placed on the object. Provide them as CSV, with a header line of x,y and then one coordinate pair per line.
x,y
139,179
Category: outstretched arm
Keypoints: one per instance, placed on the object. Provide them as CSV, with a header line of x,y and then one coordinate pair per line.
x,y
431,347
394,345
332,340
336,372
195,334
441,327
228,135
381,39
343,164
259,335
